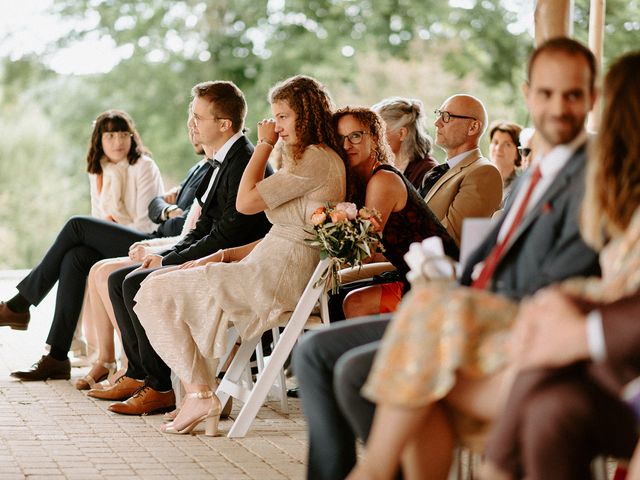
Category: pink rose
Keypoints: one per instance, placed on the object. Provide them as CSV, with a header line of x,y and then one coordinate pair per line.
x,y
338,216
349,208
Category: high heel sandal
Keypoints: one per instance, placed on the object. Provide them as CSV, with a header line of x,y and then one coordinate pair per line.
x,y
224,414
211,418
88,382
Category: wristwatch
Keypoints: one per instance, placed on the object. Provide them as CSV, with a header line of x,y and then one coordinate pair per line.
x,y
168,210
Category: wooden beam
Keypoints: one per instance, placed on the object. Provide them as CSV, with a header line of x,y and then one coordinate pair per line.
x,y
596,44
553,18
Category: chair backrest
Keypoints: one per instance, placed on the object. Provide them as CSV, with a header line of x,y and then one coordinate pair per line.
x,y
254,398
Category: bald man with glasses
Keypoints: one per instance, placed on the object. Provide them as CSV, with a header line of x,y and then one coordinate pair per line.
x,y
467,184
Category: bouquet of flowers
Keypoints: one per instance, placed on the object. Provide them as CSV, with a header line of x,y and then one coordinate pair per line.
x,y
346,236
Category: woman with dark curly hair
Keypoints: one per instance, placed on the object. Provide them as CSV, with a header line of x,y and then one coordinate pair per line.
x,y
255,287
376,184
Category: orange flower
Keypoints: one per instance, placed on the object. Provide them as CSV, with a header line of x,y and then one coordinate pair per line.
x,y
338,216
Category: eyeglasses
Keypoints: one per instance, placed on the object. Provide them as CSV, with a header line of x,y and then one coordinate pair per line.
x,y
116,135
524,151
354,137
197,118
446,116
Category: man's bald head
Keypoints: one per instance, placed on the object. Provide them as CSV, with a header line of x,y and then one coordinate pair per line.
x,y
466,123
471,107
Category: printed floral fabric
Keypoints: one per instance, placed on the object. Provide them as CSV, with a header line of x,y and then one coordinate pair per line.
x,y
441,328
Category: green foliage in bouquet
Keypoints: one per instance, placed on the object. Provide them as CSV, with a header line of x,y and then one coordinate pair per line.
x,y
345,235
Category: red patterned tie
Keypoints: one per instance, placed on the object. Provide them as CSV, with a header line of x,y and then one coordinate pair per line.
x,y
495,256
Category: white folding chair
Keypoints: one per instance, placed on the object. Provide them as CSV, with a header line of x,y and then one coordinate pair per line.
x,y
253,396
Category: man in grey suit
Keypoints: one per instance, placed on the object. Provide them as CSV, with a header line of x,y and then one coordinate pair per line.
x,y
536,243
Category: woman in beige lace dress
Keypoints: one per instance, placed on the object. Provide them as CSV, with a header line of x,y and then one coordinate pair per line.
x,y
186,312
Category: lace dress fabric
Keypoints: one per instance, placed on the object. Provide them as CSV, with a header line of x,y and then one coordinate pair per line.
x,y
186,313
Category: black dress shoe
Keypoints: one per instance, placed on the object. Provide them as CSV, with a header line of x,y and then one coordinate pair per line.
x,y
9,318
46,368
293,392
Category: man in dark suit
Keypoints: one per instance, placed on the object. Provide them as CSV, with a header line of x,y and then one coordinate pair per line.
x,y
538,240
171,209
82,242
565,407
218,117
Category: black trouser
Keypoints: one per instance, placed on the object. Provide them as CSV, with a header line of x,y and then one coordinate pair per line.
x,y
82,242
144,362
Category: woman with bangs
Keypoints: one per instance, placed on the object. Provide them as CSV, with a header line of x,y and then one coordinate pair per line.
x,y
255,287
123,180
122,176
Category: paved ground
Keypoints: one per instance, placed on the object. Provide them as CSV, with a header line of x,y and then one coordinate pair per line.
x,y
51,430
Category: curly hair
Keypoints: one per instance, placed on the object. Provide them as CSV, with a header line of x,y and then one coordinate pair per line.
x,y
371,121
113,121
613,178
312,103
382,153
399,112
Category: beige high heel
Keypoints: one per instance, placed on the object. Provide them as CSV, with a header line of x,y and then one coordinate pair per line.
x,y
88,382
211,418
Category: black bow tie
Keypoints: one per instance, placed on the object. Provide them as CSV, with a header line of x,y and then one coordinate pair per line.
x,y
213,162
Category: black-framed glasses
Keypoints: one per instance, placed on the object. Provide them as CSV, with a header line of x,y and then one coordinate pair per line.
x,y
524,151
354,137
447,116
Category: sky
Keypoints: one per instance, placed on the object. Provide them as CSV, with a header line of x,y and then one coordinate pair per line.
x,y
32,28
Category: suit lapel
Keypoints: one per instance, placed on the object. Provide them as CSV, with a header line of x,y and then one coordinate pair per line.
x,y
556,188
228,159
468,160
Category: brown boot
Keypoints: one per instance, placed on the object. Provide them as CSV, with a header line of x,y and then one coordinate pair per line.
x,y
121,390
146,401
46,368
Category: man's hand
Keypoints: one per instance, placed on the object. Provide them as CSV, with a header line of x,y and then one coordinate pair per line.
x,y
550,331
151,261
175,213
172,195
200,262
138,251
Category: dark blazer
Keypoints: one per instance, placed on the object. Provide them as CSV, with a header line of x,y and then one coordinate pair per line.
x,y
173,226
547,246
220,225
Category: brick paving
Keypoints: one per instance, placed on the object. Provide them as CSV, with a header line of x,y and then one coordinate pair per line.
x,y
50,430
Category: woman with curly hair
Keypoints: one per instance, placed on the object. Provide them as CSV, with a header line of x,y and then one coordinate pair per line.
x,y
255,287
376,184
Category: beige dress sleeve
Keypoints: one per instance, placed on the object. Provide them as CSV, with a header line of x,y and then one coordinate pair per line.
x,y
295,179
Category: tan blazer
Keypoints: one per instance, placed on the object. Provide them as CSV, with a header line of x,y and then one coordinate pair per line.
x,y
473,188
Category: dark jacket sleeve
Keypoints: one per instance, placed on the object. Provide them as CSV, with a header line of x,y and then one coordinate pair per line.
x,y
156,207
221,225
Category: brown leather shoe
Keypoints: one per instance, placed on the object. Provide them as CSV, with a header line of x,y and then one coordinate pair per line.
x,y
146,401
46,368
121,390
9,318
